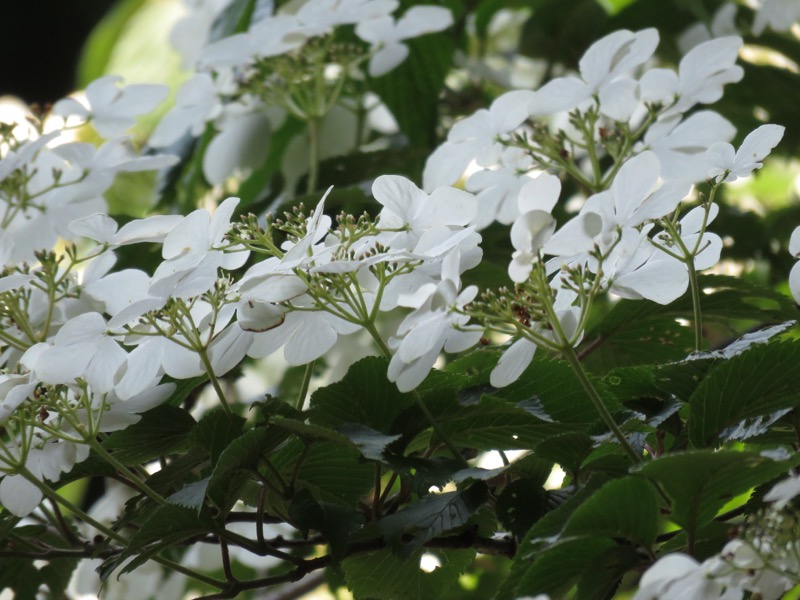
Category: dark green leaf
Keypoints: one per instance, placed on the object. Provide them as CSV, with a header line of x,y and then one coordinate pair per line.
x,y
363,396
520,505
191,495
497,424
758,382
241,456
383,576
623,508
330,472
372,444
161,431
411,90
334,521
553,386
431,516
167,526
215,431
558,567
700,483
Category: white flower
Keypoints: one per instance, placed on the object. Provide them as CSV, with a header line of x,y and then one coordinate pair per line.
x,y
191,257
388,35
794,274
535,225
728,165
80,349
196,103
705,69
476,138
520,353
18,495
111,108
784,492
681,144
679,577
433,326
407,207
604,70
722,23
304,335
780,15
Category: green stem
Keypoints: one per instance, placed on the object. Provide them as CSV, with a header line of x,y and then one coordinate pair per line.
x,y
569,354
301,397
127,473
213,379
313,155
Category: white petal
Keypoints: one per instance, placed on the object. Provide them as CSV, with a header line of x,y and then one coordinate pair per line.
x,y
634,182
510,110
794,243
540,193
312,338
387,58
229,348
242,144
513,363
562,94
794,282
18,495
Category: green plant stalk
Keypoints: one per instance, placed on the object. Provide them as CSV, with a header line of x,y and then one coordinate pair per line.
x,y
213,379
568,352
123,470
301,397
313,155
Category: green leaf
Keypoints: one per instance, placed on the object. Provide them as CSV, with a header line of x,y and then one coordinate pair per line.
x,y
497,424
623,508
100,44
552,386
363,396
411,91
758,382
520,505
568,450
330,472
184,387
562,504
21,576
241,456
372,444
664,382
191,495
334,521
215,431
556,569
383,576
700,483
431,516
632,322
162,430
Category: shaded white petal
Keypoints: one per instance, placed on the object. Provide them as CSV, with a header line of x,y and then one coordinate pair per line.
x,y
513,363
18,495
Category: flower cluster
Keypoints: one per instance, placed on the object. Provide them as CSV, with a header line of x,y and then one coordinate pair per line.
x,y
287,62
622,133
